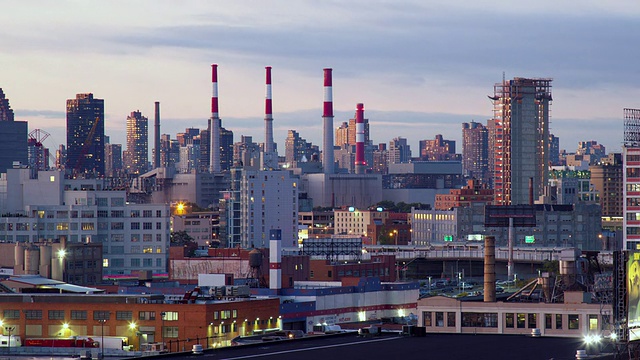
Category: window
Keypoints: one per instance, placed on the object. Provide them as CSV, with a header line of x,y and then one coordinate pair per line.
x,y
33,314
117,226
215,315
225,314
11,314
508,320
147,249
159,237
103,214
135,226
158,226
451,319
88,226
147,315
87,214
147,237
135,262
558,321
171,316
170,332
101,315
117,201
147,226
147,263
117,237
102,202
124,315
439,318
158,213
574,321
78,315
146,213
521,321
547,321
426,318
480,320
117,213
234,313
135,213
593,322
533,321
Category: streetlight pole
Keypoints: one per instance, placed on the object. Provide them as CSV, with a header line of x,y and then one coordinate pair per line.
x,y
102,321
9,329
162,314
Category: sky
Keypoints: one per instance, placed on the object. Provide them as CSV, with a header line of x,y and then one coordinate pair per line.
x,y
421,67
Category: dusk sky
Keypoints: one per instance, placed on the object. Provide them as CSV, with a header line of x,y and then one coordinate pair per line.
x,y
420,67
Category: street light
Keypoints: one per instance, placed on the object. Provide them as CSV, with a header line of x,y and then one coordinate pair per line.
x,y
102,321
162,315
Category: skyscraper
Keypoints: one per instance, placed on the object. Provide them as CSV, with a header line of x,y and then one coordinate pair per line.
x,y
137,158
438,149
13,137
399,151
295,148
521,150
85,135
475,151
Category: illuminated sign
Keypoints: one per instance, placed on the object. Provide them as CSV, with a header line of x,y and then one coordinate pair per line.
x,y
352,209
475,237
448,238
529,239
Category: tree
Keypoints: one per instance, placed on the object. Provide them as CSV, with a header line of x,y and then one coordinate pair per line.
x,y
180,238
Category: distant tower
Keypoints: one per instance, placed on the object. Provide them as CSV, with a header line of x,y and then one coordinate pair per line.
x,y
475,151
360,163
85,134
214,166
137,143
521,148
156,143
327,119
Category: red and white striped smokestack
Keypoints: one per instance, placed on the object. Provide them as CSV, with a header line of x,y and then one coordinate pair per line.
x,y
214,134
360,163
268,116
327,118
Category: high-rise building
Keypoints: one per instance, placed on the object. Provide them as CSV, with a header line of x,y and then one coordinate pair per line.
x,y
13,137
380,162
521,149
226,149
137,143
85,135
246,153
297,148
6,113
631,180
399,151
112,159
475,151
554,150
593,149
438,150
342,134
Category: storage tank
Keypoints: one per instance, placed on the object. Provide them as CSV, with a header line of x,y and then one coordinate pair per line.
x,y
18,256
255,258
31,261
45,260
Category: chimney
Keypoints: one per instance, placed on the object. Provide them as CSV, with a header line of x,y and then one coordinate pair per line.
x,y
360,163
214,133
270,159
327,119
275,259
489,269
156,155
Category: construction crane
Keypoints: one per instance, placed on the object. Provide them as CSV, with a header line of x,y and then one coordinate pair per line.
x,y
36,138
85,147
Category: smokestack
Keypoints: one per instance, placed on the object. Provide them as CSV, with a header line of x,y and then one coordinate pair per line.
x,y
214,149
489,269
360,163
269,157
268,115
156,155
275,259
327,119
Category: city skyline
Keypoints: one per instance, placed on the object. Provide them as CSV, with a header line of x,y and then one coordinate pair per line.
x,y
420,68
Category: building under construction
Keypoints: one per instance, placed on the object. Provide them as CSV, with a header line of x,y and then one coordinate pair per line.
x,y
520,138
